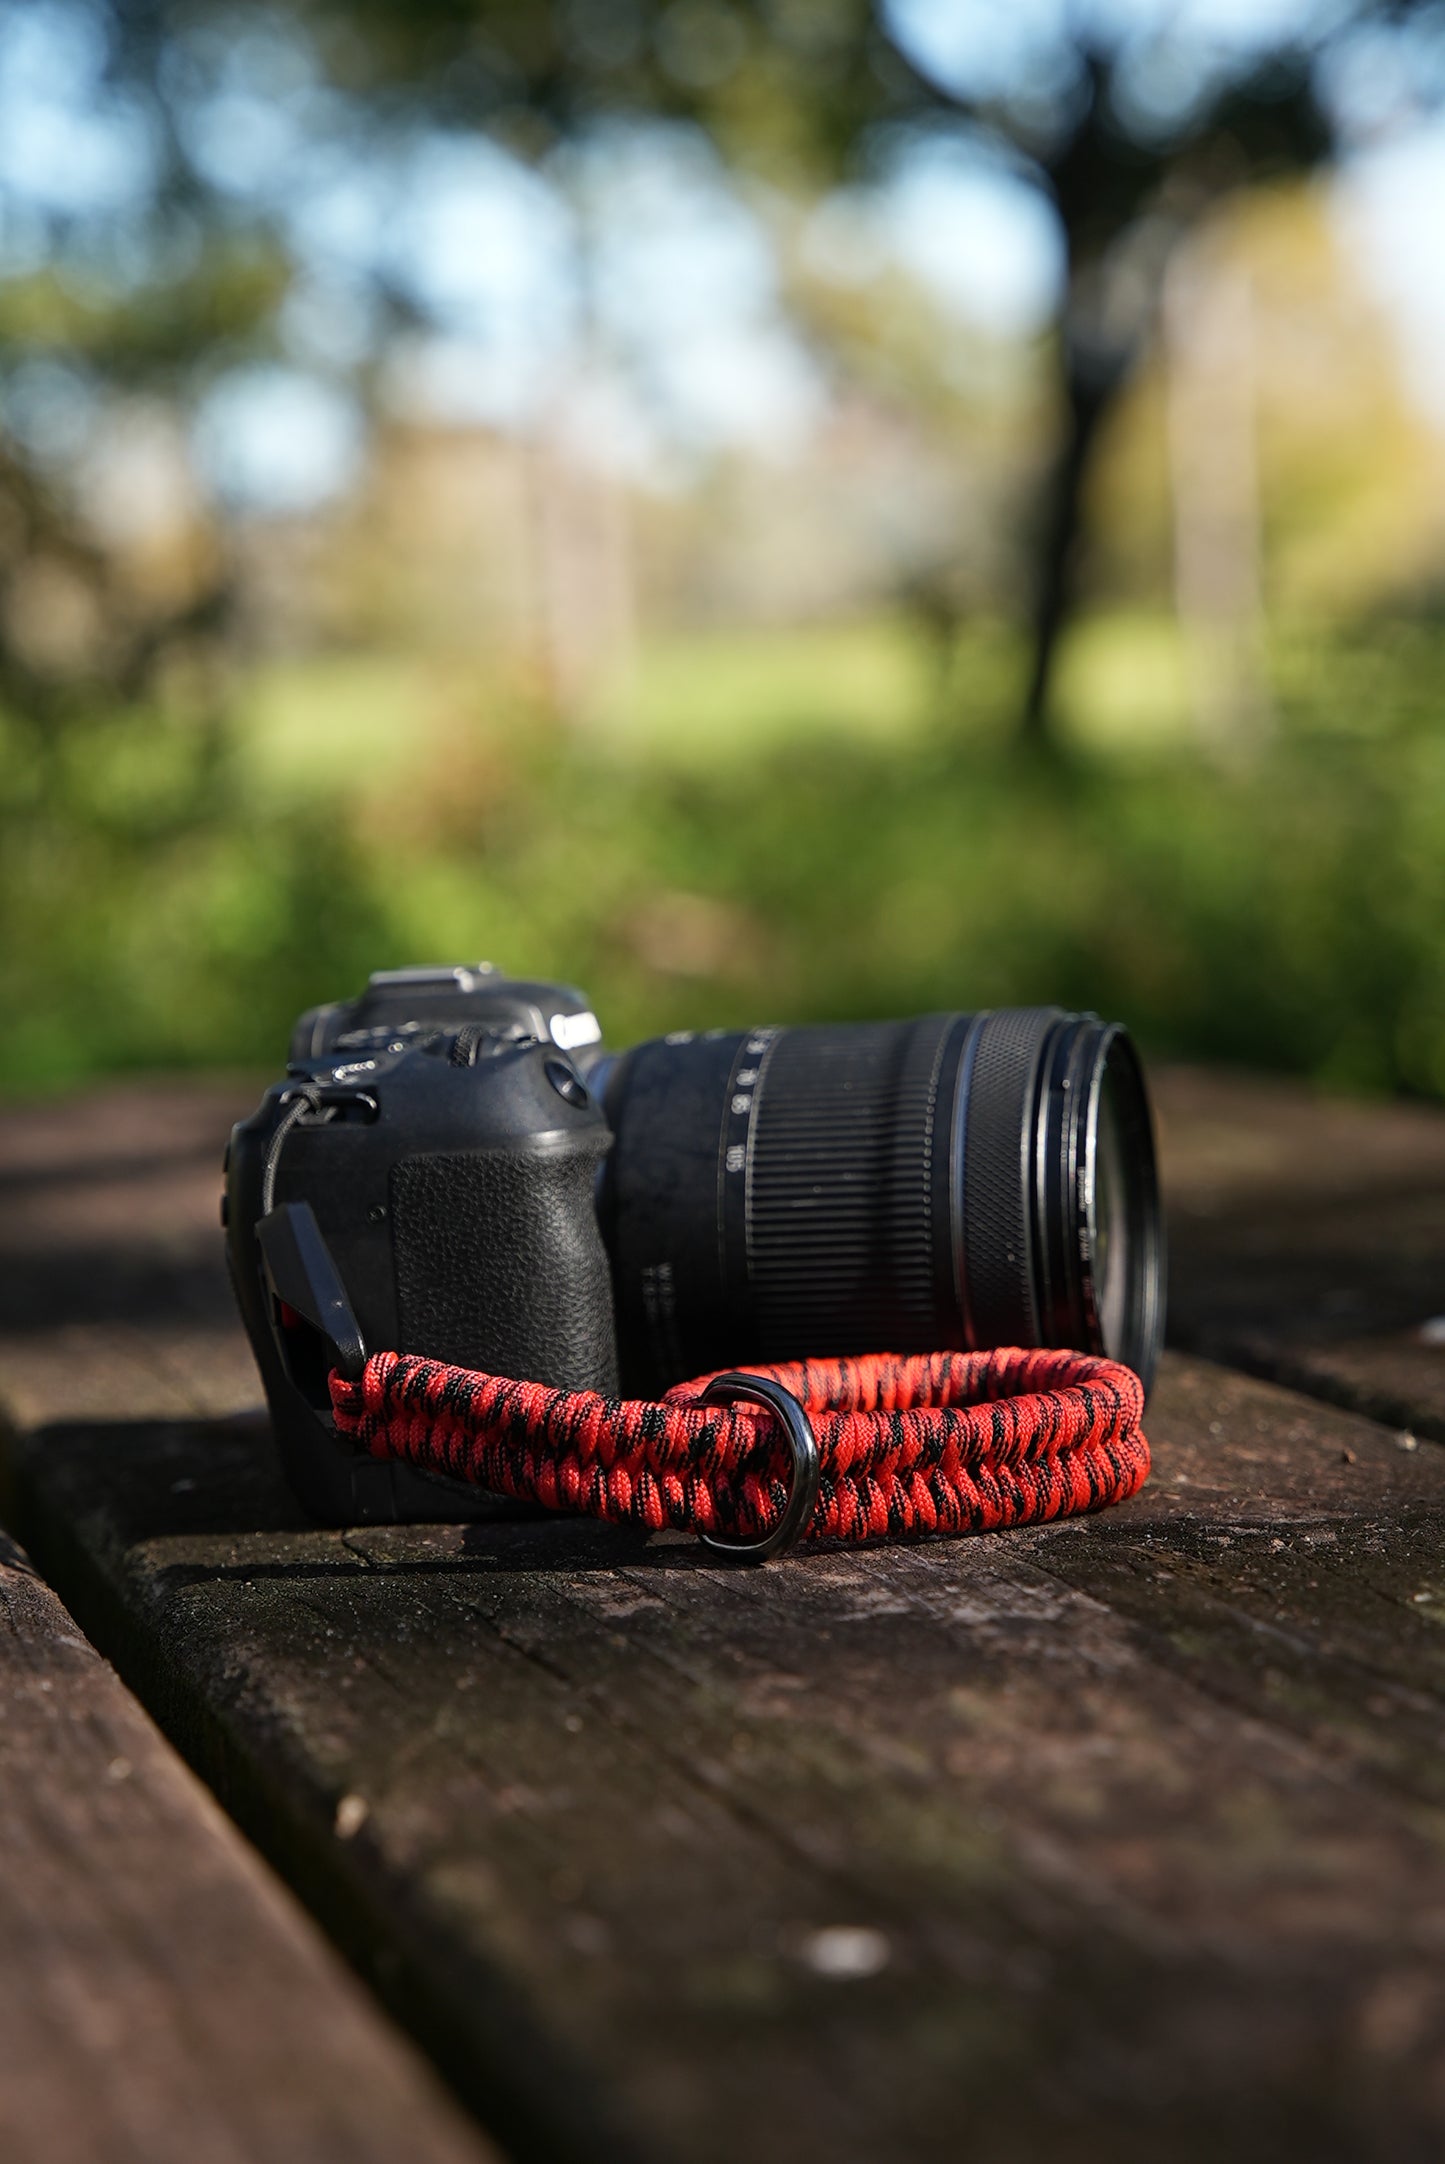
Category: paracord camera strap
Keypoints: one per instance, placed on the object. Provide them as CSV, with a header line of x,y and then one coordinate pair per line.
x,y
854,1449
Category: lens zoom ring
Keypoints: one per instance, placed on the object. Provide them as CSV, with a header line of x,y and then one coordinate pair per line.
x,y
998,1131
840,1184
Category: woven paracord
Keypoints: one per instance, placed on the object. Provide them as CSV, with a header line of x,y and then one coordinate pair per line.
x,y
938,1443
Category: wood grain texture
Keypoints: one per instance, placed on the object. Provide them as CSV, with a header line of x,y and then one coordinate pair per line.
x,y
1308,1239
162,1999
1116,1839
1130,1837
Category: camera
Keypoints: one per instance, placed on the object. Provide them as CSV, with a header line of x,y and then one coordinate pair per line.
x,y
456,1166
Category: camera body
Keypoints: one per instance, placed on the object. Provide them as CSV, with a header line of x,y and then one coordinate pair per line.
x,y
400,1006
454,1168
449,1161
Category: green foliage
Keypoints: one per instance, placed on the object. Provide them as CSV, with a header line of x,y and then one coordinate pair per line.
x,y
164,901
212,313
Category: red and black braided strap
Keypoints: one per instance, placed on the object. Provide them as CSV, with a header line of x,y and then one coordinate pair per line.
x,y
940,1442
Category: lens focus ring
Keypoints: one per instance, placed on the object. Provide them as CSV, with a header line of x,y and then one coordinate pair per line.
x,y
841,1196
1000,1085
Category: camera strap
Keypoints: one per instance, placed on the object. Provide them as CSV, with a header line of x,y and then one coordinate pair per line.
x,y
848,1449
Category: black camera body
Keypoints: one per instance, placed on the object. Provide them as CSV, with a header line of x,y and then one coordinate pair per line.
x,y
449,1162
400,1006
455,1168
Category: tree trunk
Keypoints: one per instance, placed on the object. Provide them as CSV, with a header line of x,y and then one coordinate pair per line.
x,y
1089,391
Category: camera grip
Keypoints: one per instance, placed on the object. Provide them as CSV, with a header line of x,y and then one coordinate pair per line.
x,y
500,1265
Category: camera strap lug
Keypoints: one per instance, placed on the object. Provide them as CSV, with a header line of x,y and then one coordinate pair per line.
x,y
807,1466
302,1276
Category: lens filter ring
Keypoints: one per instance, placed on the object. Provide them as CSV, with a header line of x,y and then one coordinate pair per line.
x,y
1120,1209
1099,1243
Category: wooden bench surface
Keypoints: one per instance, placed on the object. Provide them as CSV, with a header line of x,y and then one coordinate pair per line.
x,y
162,1999
1121,1838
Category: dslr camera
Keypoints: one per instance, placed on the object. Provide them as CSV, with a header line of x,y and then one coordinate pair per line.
x,y
456,1167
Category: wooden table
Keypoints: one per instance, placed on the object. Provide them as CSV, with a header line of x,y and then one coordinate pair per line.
x,y
1123,1838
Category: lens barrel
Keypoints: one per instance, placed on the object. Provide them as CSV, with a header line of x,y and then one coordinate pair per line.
x,y
954,1181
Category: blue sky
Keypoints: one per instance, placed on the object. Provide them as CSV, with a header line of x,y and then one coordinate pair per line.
x,y
632,268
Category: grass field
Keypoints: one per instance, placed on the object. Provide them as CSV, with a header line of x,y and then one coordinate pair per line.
x,y
804,823
708,701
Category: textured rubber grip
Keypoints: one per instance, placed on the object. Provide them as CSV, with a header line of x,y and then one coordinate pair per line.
x,y
499,1263
841,1198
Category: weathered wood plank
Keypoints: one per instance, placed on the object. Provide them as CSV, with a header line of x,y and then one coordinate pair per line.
x,y
1119,1839
162,2000
109,1216
1308,1239
622,1813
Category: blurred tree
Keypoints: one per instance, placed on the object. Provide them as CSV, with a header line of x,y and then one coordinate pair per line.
x,y
1129,121
1133,123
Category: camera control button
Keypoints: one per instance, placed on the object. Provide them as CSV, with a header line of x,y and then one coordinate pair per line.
x,y
568,1085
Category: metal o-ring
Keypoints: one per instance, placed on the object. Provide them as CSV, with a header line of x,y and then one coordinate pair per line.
x,y
807,1466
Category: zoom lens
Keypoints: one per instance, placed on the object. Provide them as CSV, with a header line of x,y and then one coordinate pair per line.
x,y
956,1181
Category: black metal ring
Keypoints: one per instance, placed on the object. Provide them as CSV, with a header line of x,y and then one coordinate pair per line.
x,y
807,1466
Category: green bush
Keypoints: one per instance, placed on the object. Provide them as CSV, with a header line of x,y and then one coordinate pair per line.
x,y
161,904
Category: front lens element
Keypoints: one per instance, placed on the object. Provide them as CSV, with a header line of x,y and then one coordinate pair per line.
x,y
1109,1237
1123,1229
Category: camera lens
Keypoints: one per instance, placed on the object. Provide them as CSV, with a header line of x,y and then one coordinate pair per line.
x,y
954,1181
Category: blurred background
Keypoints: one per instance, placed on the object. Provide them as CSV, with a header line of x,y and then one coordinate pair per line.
x,y
764,508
